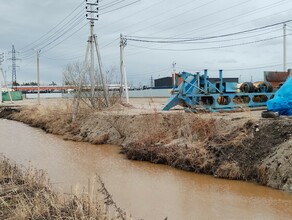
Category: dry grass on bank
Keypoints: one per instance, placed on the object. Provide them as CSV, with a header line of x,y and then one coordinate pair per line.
x,y
229,145
26,194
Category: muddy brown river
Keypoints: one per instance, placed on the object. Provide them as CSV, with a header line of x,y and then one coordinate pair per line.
x,y
148,191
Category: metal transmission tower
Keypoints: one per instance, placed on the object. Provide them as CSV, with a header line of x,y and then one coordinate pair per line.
x,y
13,67
92,16
4,79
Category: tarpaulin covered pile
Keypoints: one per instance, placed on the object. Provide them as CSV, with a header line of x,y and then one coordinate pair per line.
x,y
282,102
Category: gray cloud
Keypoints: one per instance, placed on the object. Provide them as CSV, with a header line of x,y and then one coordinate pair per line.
x,y
24,21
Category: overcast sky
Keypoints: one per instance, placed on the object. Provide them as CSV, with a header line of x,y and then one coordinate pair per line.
x,y
30,24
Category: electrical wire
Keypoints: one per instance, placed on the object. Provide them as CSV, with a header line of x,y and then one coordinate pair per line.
x,y
124,6
258,67
61,58
175,37
66,37
70,25
252,21
161,13
206,38
132,14
110,43
150,73
62,29
70,28
110,4
177,15
75,9
210,48
239,69
215,13
218,23
227,40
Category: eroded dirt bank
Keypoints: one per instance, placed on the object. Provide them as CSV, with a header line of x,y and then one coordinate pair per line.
x,y
234,145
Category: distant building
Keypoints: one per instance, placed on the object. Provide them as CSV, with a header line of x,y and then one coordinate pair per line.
x,y
166,82
163,83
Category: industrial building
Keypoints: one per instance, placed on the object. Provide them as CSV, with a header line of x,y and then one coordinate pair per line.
x,y
167,82
163,83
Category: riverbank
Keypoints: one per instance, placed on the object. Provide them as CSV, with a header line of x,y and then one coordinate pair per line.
x,y
227,145
27,194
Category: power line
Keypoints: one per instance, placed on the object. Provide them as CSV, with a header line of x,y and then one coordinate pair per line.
x,y
218,23
163,13
61,58
132,14
111,4
124,6
219,41
70,28
129,38
174,17
263,8
152,72
209,48
110,43
241,69
254,20
82,2
61,28
66,38
65,27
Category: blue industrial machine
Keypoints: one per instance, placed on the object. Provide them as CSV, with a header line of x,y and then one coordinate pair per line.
x,y
195,91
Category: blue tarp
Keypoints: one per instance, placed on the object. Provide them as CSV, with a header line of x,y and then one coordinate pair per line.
x,y
282,102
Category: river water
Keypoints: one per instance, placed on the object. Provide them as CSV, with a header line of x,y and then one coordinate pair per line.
x,y
146,190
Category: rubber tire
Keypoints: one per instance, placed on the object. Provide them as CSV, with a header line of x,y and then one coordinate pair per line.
x,y
247,87
265,87
270,114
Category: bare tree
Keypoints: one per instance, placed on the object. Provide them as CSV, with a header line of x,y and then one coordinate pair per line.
x,y
75,74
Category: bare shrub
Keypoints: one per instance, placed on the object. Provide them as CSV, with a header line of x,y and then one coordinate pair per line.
x,y
151,131
192,158
117,120
27,194
92,91
229,170
203,128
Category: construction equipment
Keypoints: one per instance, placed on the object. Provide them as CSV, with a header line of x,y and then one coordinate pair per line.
x,y
195,91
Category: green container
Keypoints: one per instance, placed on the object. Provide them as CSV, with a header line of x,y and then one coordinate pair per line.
x,y
15,95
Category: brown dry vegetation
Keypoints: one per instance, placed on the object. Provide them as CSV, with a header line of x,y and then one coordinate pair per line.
x,y
27,194
219,145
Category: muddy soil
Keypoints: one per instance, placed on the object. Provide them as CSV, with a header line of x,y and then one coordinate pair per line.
x,y
234,145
